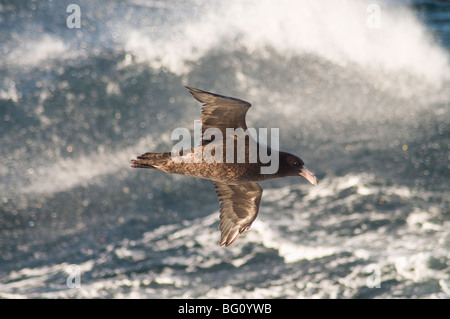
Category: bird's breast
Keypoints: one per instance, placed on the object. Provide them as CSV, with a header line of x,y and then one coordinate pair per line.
x,y
224,172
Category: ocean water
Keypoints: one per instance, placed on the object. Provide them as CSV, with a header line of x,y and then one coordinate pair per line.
x,y
359,89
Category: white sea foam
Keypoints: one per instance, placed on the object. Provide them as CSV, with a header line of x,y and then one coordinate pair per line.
x,y
291,251
10,94
362,183
67,173
415,267
18,284
34,52
314,257
199,239
337,31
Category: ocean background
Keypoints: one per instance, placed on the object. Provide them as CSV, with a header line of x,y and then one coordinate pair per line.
x,y
359,89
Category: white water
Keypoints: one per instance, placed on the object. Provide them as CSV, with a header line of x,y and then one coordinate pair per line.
x,y
335,30
365,108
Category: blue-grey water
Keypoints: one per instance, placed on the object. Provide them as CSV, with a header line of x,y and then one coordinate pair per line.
x,y
359,89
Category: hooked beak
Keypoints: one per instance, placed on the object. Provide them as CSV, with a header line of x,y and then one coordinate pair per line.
x,y
309,176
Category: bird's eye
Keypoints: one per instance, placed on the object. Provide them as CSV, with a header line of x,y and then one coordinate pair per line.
x,y
296,164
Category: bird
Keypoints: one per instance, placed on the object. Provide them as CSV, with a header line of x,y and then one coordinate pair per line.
x,y
236,183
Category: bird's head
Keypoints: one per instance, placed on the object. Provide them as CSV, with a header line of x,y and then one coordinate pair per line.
x,y
292,165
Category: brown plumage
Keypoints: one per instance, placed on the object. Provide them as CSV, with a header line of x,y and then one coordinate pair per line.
x,y
236,184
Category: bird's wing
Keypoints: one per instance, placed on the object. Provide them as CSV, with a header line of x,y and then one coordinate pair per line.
x,y
220,111
239,205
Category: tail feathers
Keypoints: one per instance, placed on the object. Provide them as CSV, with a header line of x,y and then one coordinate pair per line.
x,y
150,160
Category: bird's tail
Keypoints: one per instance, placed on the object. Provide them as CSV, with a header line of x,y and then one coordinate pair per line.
x,y
151,160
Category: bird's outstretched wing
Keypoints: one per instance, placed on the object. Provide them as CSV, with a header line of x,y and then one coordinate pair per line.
x,y
239,205
221,112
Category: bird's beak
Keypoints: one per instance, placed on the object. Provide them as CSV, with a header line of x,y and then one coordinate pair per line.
x,y
309,176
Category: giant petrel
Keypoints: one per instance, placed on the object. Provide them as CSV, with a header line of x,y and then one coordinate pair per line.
x,y
235,182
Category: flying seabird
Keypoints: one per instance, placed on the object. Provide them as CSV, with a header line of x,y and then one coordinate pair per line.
x,y
236,183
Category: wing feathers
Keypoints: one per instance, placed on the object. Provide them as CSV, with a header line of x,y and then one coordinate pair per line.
x,y
239,205
220,111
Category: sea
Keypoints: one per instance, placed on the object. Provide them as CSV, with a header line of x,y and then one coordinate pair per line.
x,y
360,90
